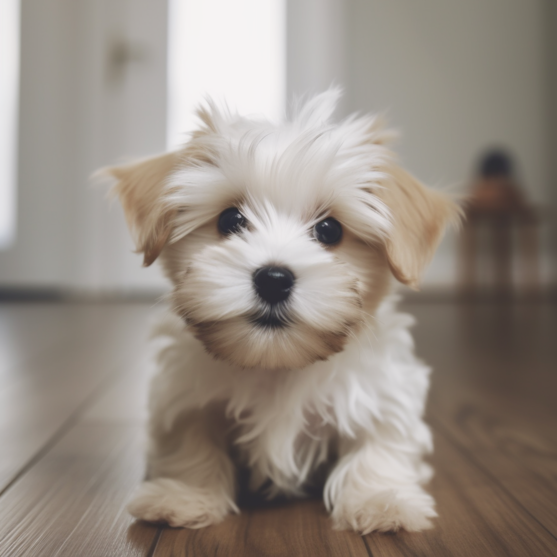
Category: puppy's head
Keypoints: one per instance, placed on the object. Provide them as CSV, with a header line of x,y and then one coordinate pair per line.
x,y
280,240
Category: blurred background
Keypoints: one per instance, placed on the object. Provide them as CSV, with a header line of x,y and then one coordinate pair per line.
x,y
471,86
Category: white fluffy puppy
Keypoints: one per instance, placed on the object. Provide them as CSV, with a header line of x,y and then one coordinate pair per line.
x,y
285,354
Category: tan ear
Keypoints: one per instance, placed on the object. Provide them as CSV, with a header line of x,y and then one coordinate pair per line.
x,y
139,188
420,216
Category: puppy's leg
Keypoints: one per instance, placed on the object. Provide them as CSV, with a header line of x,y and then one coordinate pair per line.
x,y
377,486
191,477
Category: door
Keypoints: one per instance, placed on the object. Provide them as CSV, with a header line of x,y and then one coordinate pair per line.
x,y
93,89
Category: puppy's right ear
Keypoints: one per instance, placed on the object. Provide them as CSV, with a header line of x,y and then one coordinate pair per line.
x,y
140,187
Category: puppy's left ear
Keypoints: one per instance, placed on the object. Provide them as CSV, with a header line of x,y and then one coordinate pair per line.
x,y
420,216
140,188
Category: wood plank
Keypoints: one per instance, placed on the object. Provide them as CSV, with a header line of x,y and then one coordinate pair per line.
x,y
495,452
517,458
71,503
33,410
125,402
28,343
488,399
503,352
73,498
477,517
27,330
297,528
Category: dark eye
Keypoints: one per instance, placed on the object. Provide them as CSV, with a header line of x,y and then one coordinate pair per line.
x,y
328,231
231,221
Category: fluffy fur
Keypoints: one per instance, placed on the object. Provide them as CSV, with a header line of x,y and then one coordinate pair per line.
x,y
335,392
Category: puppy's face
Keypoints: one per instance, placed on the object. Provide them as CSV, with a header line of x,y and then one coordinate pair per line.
x,y
281,240
264,287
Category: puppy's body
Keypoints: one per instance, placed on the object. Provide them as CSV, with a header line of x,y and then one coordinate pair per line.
x,y
317,375
358,413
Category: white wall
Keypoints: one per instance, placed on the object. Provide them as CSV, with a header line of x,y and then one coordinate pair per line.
x,y
9,92
77,114
454,78
46,120
212,52
316,45
121,114
550,36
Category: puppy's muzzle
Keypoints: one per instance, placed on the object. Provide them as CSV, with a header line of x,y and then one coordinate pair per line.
x,y
273,284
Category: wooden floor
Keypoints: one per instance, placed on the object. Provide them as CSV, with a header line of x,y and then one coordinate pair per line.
x,y
72,390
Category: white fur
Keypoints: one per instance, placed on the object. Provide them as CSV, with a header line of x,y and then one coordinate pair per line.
x,y
339,389
369,399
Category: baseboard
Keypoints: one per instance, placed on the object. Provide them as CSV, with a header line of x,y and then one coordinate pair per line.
x,y
433,295
427,295
32,294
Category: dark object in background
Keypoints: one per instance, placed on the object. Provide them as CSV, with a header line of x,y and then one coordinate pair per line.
x,y
496,164
497,204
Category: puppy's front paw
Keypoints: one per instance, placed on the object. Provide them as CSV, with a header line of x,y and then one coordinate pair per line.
x,y
173,502
385,511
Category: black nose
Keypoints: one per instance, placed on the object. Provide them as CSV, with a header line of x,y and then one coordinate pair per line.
x,y
273,284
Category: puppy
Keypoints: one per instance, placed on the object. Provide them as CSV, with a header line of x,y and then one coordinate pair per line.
x,y
284,352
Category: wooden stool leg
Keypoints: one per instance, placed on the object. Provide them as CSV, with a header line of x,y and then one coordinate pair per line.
x,y
529,257
502,256
467,260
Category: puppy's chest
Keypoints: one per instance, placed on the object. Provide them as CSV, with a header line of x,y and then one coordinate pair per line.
x,y
284,441
257,424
